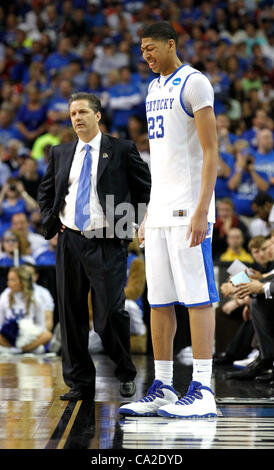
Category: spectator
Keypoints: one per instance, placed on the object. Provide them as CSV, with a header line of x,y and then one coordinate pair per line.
x,y
51,137
235,250
15,249
43,294
134,288
239,346
95,87
7,129
226,138
47,257
60,58
35,76
261,311
58,105
259,122
31,117
245,181
15,154
14,199
22,321
30,177
262,206
225,220
20,224
264,157
105,61
5,171
124,97
220,82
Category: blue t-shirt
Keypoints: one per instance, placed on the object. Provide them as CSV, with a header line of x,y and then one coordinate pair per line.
x,y
221,188
6,262
265,163
243,196
59,104
123,90
32,119
8,211
8,133
47,258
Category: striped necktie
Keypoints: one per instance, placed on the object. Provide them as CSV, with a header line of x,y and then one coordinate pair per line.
x,y
82,205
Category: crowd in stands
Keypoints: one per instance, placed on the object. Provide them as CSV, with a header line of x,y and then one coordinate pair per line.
x,y
49,49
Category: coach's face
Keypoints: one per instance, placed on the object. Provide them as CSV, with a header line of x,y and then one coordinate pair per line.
x,y
85,121
158,54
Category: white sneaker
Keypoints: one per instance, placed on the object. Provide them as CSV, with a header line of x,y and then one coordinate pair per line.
x,y
198,402
245,362
158,395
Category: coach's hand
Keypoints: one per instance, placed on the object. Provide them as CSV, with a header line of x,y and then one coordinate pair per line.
x,y
197,229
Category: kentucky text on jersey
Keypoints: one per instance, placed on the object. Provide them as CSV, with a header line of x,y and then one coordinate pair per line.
x,y
156,105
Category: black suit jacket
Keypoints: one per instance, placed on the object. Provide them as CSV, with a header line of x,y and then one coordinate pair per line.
x,y
121,173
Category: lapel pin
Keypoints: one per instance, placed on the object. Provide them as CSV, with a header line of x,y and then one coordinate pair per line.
x,y
105,155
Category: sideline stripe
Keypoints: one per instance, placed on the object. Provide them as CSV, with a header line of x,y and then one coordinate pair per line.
x,y
69,426
61,426
82,431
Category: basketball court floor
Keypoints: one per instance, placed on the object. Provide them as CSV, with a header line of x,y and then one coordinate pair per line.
x,y
33,417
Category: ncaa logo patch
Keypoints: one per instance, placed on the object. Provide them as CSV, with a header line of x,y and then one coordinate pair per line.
x,y
176,81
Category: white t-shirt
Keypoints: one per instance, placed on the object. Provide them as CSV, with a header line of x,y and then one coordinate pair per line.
x,y
44,296
176,155
18,310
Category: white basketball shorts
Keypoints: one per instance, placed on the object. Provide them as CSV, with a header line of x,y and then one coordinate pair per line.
x,y
176,273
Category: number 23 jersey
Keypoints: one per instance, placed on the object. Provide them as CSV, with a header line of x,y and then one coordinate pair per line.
x,y
176,155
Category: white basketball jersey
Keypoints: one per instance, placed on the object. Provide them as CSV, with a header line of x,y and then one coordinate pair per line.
x,y
176,155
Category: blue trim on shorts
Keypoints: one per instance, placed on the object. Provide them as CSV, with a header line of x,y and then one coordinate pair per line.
x,y
208,302
209,270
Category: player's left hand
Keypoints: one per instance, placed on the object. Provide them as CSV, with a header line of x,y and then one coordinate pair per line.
x,y
197,229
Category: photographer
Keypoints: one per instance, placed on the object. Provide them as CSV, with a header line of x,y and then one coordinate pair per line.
x,y
14,199
245,181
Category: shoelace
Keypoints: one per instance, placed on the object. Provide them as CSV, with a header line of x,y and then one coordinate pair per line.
x,y
192,394
153,392
151,396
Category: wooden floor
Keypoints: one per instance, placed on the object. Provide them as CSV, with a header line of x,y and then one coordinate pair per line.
x,y
33,417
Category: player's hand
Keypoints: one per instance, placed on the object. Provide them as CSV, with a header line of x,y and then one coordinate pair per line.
x,y
141,232
197,229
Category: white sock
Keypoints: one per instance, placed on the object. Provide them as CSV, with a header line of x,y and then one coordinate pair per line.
x,y
164,371
202,370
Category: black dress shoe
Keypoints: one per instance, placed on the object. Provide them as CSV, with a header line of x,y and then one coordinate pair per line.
x,y
223,359
257,367
74,395
127,389
265,378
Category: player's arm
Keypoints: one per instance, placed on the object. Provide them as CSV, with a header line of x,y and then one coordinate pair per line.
x,y
206,129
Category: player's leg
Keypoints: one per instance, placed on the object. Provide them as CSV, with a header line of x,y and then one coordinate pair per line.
x,y
163,327
194,279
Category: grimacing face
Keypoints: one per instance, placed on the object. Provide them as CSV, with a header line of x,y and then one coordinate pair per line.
x,y
157,53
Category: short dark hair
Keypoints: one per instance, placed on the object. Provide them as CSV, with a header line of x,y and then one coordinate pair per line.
x,y
261,199
94,102
161,31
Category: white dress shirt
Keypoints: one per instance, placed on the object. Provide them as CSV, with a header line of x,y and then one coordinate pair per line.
x,y
67,215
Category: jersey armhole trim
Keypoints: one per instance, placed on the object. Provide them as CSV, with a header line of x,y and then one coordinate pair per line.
x,y
181,93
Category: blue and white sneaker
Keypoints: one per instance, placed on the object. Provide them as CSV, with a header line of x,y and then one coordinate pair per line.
x,y
157,396
198,402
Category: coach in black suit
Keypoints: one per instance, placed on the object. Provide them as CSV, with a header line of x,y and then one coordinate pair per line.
x,y
82,196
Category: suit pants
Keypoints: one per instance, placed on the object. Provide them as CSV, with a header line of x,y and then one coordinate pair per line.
x,y
99,264
263,322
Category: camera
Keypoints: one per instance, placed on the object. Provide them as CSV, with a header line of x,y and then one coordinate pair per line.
x,y
12,187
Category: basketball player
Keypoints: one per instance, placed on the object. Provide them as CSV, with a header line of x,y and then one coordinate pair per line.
x,y
178,224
